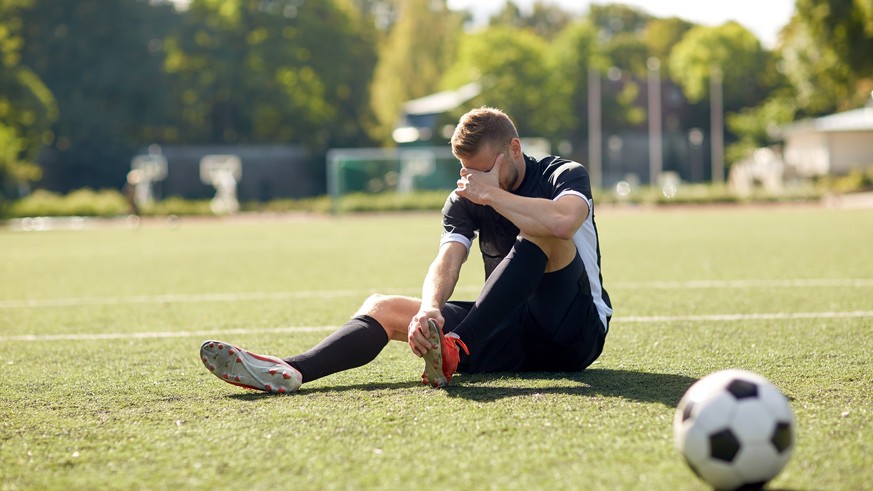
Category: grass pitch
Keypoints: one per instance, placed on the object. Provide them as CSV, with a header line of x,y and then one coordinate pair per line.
x,y
101,386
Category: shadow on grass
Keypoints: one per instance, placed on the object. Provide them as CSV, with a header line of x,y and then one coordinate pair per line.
x,y
664,388
252,395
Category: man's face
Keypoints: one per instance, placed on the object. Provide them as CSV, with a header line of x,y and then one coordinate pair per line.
x,y
486,158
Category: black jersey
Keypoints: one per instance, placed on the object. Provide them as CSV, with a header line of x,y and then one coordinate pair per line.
x,y
549,178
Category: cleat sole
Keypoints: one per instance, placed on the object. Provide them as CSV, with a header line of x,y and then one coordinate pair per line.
x,y
433,359
249,370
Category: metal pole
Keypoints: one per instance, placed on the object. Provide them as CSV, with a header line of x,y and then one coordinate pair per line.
x,y
595,159
656,163
717,124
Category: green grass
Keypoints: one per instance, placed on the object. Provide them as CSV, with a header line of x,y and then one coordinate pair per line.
x,y
136,410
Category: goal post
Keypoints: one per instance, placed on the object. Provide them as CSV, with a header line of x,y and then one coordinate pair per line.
x,y
401,170
386,170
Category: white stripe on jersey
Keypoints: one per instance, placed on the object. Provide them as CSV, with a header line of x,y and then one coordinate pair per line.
x,y
468,243
586,245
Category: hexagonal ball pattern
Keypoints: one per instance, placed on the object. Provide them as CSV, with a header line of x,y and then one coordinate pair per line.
x,y
735,429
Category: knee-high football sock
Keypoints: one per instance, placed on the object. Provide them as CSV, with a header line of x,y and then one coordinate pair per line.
x,y
356,343
510,284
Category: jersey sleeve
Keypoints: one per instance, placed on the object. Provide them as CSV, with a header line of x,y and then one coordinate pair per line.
x,y
458,223
570,177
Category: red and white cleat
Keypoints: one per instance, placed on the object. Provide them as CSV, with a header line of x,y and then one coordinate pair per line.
x,y
440,363
249,370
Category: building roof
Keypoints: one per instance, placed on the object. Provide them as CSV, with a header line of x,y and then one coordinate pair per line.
x,y
854,120
442,101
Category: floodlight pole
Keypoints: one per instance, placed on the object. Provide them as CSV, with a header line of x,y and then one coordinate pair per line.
x,y
595,159
656,162
716,100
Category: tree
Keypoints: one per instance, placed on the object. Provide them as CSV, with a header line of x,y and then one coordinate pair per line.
x,y
615,18
518,78
827,54
661,35
622,57
546,20
419,48
101,59
574,51
746,67
267,72
758,127
27,108
844,26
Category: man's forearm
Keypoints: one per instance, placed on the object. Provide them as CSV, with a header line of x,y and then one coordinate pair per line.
x,y
541,217
442,276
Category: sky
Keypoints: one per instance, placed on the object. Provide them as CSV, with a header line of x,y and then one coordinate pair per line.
x,y
764,18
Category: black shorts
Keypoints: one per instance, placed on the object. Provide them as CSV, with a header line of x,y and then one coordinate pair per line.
x,y
558,329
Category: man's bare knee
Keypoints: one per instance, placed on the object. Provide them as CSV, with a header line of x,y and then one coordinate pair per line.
x,y
558,251
371,304
393,312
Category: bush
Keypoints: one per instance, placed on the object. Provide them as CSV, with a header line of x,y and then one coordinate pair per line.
x,y
86,202
175,205
319,204
83,202
418,201
858,179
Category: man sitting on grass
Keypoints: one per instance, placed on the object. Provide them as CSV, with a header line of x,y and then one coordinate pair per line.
x,y
543,306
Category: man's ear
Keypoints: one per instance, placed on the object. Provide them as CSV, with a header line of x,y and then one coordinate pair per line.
x,y
515,147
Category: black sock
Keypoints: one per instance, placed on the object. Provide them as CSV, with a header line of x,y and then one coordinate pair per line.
x,y
356,343
512,282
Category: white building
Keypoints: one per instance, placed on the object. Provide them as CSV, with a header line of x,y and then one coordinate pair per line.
x,y
834,144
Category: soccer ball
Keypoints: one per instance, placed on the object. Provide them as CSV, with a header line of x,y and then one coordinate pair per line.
x,y
735,429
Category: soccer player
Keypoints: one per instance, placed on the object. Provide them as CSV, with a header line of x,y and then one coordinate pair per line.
x,y
542,308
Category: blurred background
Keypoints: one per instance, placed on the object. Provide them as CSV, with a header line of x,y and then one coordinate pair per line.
x,y
272,100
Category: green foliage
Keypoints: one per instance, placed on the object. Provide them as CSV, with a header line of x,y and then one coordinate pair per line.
x,y
545,20
318,204
82,202
858,179
101,59
514,77
27,107
420,46
844,27
265,72
418,201
661,35
12,169
87,84
573,52
828,54
817,77
738,55
618,18
758,127
175,205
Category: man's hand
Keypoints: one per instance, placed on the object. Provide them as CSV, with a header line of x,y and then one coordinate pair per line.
x,y
478,186
418,333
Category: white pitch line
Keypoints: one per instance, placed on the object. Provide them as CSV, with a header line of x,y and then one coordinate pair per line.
x,y
694,284
165,334
212,333
743,317
328,294
179,298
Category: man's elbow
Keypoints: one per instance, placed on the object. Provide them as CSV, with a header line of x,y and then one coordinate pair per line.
x,y
564,228
568,217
